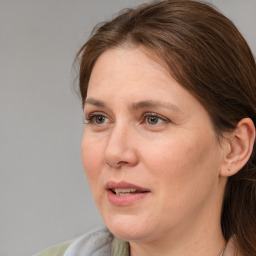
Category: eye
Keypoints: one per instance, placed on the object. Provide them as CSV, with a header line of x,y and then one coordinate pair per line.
x,y
99,119
154,119
96,119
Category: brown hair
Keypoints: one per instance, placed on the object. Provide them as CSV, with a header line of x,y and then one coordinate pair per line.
x,y
208,56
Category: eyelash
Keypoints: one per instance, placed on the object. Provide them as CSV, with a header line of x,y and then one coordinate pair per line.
x,y
91,118
148,114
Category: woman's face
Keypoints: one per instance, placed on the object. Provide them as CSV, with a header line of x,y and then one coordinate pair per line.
x,y
149,150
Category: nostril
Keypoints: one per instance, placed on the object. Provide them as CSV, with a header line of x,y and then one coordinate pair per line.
x,y
117,164
122,163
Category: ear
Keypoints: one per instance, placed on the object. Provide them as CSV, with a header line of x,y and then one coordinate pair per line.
x,y
238,148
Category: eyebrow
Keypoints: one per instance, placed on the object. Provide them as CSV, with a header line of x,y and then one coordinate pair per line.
x,y
153,103
95,102
137,105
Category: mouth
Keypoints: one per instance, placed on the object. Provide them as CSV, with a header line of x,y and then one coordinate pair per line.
x,y
126,191
125,194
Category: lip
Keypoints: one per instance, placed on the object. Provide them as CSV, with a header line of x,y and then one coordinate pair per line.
x,y
125,200
123,184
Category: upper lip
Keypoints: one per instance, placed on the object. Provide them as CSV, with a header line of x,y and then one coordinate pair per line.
x,y
123,184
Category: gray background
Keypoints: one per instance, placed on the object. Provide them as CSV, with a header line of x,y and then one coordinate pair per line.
x,y
44,195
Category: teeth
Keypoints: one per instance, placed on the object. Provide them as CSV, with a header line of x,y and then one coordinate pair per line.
x,y
124,191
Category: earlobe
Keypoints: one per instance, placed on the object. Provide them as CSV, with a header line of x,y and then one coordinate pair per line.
x,y
239,149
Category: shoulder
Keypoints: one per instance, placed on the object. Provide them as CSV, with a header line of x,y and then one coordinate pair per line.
x,y
57,250
94,243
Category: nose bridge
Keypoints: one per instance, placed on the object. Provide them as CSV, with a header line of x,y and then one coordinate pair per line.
x,y
119,132
119,148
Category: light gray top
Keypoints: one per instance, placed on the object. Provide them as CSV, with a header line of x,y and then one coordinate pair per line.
x,y
95,243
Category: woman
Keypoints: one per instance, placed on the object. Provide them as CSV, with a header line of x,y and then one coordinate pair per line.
x,y
169,96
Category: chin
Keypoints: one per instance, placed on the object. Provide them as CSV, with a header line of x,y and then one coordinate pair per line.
x,y
129,228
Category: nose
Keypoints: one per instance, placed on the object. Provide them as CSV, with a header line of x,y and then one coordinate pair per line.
x,y
120,148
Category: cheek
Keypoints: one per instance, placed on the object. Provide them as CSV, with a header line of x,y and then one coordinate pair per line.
x,y
92,159
166,158
183,166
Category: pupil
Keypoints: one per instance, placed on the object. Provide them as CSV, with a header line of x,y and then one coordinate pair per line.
x,y
153,120
100,119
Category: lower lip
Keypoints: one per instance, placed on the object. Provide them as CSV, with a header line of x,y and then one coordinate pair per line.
x,y
125,200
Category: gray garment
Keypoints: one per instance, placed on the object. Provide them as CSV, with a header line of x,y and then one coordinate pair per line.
x,y
98,242
95,243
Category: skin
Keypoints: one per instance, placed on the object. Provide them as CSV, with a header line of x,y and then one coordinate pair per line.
x,y
177,157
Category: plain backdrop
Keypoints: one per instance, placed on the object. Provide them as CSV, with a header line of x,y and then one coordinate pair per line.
x,y
44,196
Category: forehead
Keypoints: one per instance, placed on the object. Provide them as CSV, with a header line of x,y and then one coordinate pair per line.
x,y
131,66
130,75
